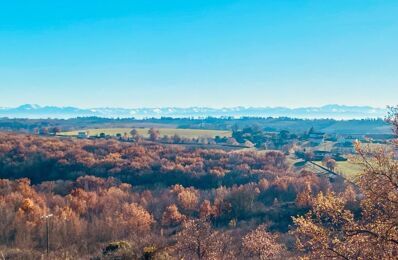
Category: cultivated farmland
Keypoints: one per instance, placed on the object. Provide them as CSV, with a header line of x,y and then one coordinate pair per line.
x,y
187,133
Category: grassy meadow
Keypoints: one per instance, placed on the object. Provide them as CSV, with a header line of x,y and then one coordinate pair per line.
x,y
348,169
186,133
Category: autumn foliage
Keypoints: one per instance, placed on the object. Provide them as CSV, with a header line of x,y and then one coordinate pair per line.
x,y
333,229
161,200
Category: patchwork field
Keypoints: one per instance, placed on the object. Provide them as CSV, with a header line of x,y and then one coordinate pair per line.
x,y
187,133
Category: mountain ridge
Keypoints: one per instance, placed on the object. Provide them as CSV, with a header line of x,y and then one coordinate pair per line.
x,y
334,111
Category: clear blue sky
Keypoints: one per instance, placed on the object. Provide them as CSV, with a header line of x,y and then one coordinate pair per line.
x,y
198,53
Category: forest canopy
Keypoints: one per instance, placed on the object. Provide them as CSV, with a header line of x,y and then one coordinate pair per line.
x,y
154,201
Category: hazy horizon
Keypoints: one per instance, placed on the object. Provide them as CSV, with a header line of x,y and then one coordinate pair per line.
x,y
332,111
193,106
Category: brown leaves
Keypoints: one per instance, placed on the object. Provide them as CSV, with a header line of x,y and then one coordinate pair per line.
x,y
135,218
172,216
40,158
262,245
331,231
198,240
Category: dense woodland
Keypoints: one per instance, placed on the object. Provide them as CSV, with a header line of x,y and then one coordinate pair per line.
x,y
117,200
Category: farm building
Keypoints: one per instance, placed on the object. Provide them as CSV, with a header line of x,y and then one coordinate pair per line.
x,y
82,134
316,138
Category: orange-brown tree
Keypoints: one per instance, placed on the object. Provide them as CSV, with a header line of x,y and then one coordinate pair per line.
x,y
262,245
198,240
331,231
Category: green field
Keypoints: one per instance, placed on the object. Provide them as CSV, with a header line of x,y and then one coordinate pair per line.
x,y
348,169
187,133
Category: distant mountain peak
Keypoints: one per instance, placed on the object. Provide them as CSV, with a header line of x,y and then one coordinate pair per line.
x,y
328,111
29,106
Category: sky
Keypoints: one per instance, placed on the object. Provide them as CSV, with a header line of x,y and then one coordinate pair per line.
x,y
180,53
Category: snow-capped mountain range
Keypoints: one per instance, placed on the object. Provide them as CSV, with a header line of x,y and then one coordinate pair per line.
x,y
328,111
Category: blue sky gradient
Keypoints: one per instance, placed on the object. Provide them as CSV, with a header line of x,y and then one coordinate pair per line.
x,y
198,53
